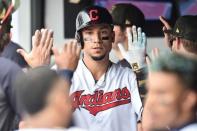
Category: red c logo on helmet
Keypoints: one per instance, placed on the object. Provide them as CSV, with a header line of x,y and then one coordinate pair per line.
x,y
93,15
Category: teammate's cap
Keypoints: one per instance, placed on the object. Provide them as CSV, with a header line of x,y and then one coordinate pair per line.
x,y
127,15
7,7
185,27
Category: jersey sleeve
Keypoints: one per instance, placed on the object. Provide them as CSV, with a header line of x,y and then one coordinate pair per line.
x,y
135,96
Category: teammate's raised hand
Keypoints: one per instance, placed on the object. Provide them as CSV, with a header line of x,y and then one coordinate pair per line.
x,y
136,48
166,27
42,43
68,58
154,54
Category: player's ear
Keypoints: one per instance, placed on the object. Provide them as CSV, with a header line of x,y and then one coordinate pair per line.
x,y
189,101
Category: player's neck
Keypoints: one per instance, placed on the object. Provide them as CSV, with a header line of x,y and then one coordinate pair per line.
x,y
184,118
97,68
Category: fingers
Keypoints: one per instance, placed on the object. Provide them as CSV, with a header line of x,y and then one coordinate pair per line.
x,y
144,40
139,34
50,46
69,47
69,56
148,62
74,46
164,21
78,50
22,124
46,38
130,38
154,53
36,38
22,53
42,38
47,41
44,33
65,47
55,51
164,28
122,49
134,34
138,39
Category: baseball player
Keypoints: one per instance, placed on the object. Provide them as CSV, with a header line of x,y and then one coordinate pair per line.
x,y
7,7
44,114
105,95
171,99
182,37
130,41
124,16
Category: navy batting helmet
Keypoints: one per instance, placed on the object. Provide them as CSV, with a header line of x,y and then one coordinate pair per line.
x,y
93,15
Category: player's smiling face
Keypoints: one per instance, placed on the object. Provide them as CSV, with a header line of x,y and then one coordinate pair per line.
x,y
97,41
165,99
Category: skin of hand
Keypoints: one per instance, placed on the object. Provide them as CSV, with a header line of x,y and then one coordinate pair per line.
x,y
166,26
136,48
68,58
42,43
154,54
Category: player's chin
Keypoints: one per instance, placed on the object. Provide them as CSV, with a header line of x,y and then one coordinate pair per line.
x,y
98,57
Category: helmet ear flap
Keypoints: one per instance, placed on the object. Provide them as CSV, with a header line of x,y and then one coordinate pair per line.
x,y
79,38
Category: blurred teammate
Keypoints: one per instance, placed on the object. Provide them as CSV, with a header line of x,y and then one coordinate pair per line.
x,y
47,105
182,37
172,88
8,69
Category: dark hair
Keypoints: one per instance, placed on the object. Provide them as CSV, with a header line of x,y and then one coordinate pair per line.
x,y
5,33
33,88
190,46
127,15
184,68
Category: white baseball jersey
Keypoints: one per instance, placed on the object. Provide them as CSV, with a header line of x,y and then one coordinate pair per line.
x,y
51,129
110,104
191,127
